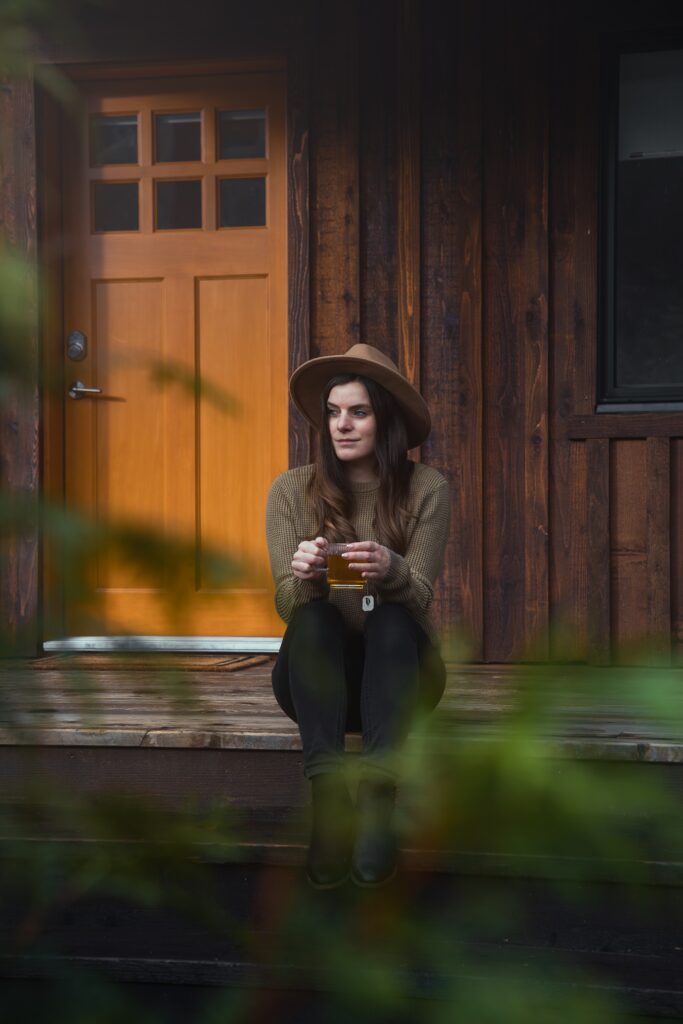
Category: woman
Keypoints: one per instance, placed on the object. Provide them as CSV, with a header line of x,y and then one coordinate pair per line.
x,y
348,664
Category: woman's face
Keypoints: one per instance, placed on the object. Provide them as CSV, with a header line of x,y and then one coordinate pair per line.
x,y
352,423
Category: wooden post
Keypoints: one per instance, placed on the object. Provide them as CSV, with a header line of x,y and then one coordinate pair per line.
x,y
19,412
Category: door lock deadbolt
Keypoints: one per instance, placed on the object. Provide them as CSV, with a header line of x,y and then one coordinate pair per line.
x,y
76,346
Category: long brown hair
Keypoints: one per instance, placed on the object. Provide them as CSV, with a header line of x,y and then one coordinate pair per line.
x,y
328,488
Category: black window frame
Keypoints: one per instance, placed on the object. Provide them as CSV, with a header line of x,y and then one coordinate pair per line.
x,y
610,397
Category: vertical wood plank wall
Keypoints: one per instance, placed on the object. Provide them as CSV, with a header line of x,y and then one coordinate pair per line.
x,y
452,299
561,544
444,180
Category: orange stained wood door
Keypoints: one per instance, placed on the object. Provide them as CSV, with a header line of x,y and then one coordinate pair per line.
x,y
175,273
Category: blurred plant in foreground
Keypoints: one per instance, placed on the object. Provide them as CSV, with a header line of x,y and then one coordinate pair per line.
x,y
508,835
510,830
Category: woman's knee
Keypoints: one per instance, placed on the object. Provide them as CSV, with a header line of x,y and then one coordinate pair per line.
x,y
319,610
391,624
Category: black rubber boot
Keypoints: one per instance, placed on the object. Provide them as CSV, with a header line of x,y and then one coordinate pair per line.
x,y
375,855
329,853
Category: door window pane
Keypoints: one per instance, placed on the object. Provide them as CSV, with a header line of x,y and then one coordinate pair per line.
x,y
178,204
242,202
241,133
114,139
116,206
178,137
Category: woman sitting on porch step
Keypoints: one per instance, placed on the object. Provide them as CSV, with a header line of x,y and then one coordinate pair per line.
x,y
357,659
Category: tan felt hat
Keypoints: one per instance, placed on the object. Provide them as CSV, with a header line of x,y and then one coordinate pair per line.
x,y
309,379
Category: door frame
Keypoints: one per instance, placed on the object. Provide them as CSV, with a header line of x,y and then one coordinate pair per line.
x,y
51,616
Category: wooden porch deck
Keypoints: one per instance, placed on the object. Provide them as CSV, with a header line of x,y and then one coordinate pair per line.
x,y
593,715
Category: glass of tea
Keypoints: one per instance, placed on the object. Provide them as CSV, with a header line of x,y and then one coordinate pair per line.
x,y
340,575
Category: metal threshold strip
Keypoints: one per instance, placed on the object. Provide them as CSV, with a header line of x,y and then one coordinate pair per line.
x,y
184,644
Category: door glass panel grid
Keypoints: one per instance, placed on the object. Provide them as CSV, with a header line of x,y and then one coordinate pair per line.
x,y
241,134
114,206
178,136
178,204
114,139
242,202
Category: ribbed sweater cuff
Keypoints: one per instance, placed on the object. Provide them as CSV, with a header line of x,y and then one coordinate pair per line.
x,y
398,576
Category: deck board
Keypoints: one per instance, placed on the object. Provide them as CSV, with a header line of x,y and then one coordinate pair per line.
x,y
588,713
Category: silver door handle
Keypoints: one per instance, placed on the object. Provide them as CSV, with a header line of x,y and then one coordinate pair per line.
x,y
79,390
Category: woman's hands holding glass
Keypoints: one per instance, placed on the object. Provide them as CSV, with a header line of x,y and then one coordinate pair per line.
x,y
310,559
372,560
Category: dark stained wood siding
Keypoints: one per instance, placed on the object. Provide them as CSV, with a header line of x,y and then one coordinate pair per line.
x,y
576,597
515,332
444,164
408,114
378,176
335,227
452,380
298,215
598,555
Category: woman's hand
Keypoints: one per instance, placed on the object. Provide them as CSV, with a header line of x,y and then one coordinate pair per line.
x,y
372,560
310,557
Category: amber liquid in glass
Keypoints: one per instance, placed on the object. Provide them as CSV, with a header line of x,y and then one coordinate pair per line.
x,y
339,574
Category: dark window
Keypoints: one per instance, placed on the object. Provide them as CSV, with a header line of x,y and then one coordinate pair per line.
x,y
114,139
242,202
178,137
241,133
643,231
179,204
116,206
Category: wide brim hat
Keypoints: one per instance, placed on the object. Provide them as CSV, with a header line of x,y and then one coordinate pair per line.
x,y
309,379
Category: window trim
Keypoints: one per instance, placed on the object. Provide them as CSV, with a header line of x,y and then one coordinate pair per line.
x,y
610,397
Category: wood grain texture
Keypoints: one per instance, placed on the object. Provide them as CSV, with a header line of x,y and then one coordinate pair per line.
x,y
516,336
573,234
658,551
298,225
409,191
591,715
598,530
629,546
451,298
379,176
624,425
20,411
335,286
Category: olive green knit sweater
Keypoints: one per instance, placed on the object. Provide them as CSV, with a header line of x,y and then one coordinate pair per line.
x,y
410,580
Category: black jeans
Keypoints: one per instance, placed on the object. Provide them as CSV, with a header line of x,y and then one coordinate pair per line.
x,y
330,680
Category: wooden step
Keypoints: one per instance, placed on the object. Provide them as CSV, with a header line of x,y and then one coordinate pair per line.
x,y
580,934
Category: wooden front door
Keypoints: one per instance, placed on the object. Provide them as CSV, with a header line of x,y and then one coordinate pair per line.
x,y
175,277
